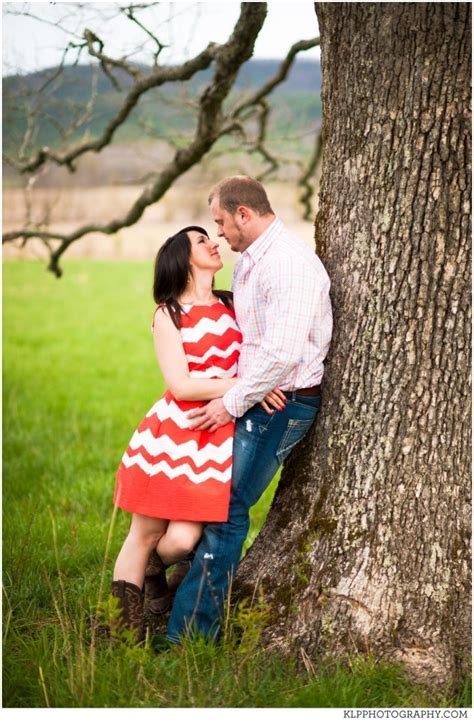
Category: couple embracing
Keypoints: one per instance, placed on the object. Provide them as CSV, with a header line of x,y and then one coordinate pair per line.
x,y
243,373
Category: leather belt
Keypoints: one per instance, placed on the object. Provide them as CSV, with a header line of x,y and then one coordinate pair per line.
x,y
312,391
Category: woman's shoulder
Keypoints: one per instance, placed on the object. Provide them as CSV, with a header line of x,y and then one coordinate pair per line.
x,y
161,315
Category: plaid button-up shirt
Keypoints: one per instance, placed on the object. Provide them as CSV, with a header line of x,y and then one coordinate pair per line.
x,y
282,305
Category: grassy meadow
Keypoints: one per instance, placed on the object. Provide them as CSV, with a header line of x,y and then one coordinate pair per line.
x,y
79,374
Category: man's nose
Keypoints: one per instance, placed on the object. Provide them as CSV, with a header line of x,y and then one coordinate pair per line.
x,y
220,232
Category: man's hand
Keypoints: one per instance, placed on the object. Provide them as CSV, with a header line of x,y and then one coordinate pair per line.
x,y
210,417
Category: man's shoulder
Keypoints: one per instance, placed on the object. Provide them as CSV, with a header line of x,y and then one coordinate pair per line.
x,y
288,242
289,250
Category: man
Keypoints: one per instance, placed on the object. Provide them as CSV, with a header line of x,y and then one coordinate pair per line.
x,y
281,297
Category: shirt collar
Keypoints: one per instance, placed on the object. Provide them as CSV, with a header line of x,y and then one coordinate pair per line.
x,y
260,246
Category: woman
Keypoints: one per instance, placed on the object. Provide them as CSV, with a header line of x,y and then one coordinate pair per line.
x,y
172,478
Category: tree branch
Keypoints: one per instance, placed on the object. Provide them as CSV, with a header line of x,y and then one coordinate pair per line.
x,y
258,99
211,123
92,39
278,77
228,59
157,78
308,189
259,145
159,45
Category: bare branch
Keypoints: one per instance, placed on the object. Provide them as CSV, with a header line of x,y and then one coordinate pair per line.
x,y
259,145
212,123
30,130
304,181
228,58
56,73
158,77
257,99
83,113
86,114
278,77
33,110
108,73
159,45
40,19
92,40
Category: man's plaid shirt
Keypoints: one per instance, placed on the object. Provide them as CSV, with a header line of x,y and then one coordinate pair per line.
x,y
281,298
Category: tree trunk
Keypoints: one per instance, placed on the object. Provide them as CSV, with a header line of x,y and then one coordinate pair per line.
x,y
366,547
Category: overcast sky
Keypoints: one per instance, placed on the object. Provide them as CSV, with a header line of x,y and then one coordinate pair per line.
x,y
32,44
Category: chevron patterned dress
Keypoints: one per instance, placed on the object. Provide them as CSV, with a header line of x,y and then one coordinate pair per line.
x,y
170,471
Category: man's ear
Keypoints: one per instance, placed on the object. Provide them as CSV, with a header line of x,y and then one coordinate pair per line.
x,y
244,214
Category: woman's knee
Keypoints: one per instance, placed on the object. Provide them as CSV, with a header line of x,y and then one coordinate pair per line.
x,y
181,541
146,535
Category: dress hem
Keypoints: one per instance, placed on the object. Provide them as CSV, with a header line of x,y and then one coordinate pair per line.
x,y
168,517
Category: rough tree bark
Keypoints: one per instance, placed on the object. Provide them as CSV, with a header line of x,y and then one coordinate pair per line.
x,y
366,547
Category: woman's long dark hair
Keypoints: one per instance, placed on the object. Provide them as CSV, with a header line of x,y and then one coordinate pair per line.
x,y
172,271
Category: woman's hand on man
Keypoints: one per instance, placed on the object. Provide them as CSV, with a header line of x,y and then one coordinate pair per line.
x,y
274,400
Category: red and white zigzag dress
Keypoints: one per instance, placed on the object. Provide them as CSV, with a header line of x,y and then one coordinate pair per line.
x,y
170,471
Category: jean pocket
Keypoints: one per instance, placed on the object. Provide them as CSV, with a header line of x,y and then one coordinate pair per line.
x,y
294,432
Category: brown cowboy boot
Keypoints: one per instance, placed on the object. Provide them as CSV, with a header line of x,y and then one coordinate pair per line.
x,y
162,603
156,585
130,603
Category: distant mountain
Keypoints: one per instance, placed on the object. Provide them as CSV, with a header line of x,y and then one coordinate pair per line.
x,y
304,76
161,111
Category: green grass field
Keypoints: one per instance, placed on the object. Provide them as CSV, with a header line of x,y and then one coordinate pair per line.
x,y
79,374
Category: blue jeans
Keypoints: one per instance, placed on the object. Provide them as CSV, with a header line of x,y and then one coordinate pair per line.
x,y
261,443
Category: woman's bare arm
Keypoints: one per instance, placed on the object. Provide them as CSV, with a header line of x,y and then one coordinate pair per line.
x,y
174,366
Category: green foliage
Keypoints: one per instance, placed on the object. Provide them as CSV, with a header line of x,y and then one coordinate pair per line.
x,y
79,373
245,623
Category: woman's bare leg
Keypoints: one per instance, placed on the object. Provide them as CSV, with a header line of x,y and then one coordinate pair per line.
x,y
144,534
180,539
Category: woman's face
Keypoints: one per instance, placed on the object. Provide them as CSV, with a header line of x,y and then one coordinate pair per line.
x,y
204,253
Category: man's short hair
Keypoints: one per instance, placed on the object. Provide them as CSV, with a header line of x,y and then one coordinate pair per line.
x,y
241,190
